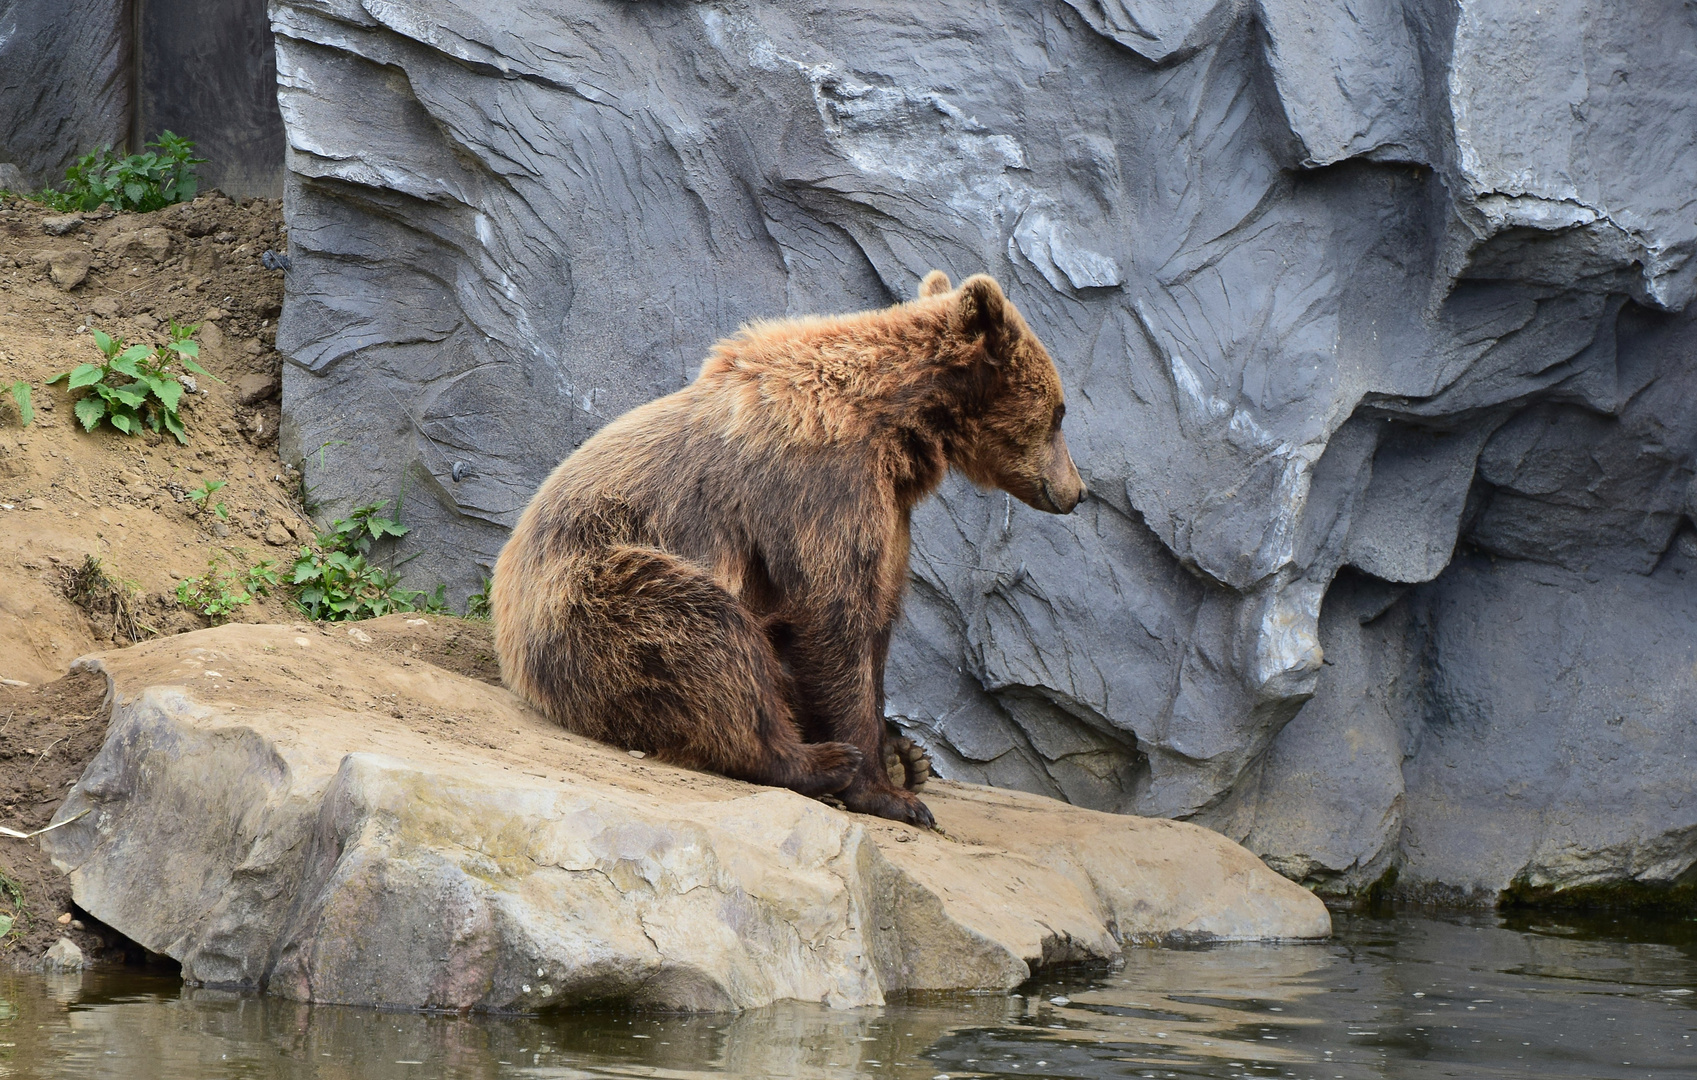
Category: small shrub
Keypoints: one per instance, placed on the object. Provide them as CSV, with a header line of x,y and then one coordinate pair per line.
x,y
150,397
21,396
202,495
140,182
219,592
108,601
339,582
477,604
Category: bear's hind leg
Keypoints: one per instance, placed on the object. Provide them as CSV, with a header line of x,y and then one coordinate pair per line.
x,y
691,676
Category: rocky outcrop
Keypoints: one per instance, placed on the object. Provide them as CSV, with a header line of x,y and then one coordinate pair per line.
x,y
307,813
1333,293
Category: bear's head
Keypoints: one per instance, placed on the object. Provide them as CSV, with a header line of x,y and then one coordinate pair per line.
x,y
1011,437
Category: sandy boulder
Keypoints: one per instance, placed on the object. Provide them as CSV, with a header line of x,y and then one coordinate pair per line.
x,y
302,812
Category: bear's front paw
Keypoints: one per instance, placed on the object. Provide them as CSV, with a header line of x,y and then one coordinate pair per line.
x,y
827,768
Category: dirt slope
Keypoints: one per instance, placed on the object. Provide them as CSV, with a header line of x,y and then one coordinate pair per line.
x,y
66,494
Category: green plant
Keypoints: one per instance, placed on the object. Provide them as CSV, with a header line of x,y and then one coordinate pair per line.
x,y
477,604
262,578
20,395
202,495
141,182
219,592
339,582
153,392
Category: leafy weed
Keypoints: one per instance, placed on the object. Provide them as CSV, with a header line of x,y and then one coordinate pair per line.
x,y
340,582
21,397
154,391
162,175
202,495
477,604
219,592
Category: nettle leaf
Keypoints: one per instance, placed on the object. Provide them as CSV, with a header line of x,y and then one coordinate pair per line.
x,y
90,410
104,342
134,191
174,425
125,366
20,394
83,375
135,353
124,422
197,369
168,391
184,348
133,395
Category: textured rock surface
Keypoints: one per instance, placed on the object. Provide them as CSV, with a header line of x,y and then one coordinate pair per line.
x,y
64,84
297,811
1330,289
74,79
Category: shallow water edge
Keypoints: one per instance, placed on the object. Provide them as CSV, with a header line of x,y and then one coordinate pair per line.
x,y
1519,994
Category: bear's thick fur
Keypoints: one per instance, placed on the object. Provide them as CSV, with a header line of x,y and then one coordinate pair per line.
x,y
713,577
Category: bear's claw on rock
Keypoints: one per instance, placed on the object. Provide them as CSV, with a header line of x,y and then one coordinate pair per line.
x,y
889,802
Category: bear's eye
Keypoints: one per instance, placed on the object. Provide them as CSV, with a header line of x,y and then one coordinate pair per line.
x,y
1060,414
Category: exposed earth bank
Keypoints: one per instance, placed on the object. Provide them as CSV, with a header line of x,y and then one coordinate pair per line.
x,y
67,495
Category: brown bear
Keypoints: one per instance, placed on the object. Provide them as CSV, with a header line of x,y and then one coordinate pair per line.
x,y
712,578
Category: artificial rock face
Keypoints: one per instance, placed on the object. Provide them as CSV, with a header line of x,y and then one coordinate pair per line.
x,y
1331,293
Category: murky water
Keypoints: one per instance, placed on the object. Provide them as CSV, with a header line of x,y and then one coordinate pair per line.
x,y
1406,996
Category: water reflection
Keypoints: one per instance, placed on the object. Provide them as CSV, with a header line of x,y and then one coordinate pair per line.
x,y
1409,996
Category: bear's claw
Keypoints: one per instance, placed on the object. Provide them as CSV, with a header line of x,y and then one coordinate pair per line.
x,y
892,803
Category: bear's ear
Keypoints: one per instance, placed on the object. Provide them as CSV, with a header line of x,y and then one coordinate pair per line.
x,y
982,309
936,283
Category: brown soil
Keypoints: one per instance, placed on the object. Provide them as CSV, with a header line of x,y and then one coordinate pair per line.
x,y
463,646
67,495
47,734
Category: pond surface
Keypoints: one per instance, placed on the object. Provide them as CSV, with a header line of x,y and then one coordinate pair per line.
x,y
1402,996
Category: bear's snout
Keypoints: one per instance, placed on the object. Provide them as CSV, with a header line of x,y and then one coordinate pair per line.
x,y
1061,486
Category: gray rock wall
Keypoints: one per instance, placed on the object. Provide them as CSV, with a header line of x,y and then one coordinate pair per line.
x,y
65,85
207,71
75,77
1332,291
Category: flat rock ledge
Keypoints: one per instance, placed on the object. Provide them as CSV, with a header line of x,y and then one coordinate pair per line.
x,y
294,810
